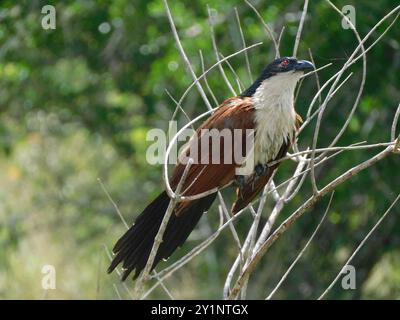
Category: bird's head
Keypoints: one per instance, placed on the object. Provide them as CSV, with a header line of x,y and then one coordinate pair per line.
x,y
287,65
282,71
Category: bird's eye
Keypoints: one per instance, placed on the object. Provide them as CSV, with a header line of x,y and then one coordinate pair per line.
x,y
285,63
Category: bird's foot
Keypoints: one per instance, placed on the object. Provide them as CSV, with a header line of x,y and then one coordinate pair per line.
x,y
240,180
261,169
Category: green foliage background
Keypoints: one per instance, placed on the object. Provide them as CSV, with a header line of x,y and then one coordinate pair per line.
x,y
76,104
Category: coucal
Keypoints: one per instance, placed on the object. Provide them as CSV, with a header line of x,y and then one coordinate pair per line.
x,y
267,107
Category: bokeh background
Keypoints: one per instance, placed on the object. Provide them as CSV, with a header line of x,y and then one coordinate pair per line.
x,y
76,104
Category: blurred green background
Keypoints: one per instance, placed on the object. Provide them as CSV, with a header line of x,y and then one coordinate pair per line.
x,y
76,104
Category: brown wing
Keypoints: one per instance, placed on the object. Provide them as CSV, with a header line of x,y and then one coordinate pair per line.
x,y
204,174
255,184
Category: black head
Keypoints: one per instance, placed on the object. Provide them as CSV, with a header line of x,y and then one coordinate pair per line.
x,y
280,65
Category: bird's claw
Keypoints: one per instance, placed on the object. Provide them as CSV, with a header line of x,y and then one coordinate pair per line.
x,y
239,180
261,169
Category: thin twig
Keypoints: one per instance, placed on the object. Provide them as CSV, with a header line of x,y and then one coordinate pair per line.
x,y
164,287
359,56
250,239
246,56
325,150
364,74
311,117
215,47
316,76
178,107
240,84
117,292
277,209
113,203
280,38
300,29
127,227
320,162
267,29
264,233
108,253
330,95
227,216
359,247
302,251
206,81
394,123
186,92
184,56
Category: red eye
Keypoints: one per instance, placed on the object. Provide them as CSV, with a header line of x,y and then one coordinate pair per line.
x,y
285,63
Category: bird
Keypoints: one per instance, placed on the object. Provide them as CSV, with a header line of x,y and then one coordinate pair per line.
x,y
266,108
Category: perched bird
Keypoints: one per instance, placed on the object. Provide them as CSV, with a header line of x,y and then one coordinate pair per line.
x,y
267,107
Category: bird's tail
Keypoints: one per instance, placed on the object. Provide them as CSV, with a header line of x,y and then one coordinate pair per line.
x,y
133,248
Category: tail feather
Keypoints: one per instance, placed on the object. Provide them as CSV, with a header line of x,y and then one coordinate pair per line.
x,y
145,221
133,248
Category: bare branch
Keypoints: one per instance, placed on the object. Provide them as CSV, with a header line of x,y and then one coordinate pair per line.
x,y
300,211
253,249
394,123
277,209
158,239
228,216
274,191
264,233
194,252
300,29
250,239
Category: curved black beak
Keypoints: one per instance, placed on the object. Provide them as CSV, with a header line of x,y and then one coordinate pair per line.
x,y
303,65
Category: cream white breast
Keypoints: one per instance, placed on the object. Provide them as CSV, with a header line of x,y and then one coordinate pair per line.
x,y
274,115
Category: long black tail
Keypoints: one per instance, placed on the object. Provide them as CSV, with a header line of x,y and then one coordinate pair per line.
x,y
133,248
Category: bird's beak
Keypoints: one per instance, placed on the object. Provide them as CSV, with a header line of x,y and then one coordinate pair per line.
x,y
303,65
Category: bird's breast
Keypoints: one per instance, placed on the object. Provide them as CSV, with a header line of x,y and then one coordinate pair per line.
x,y
275,125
